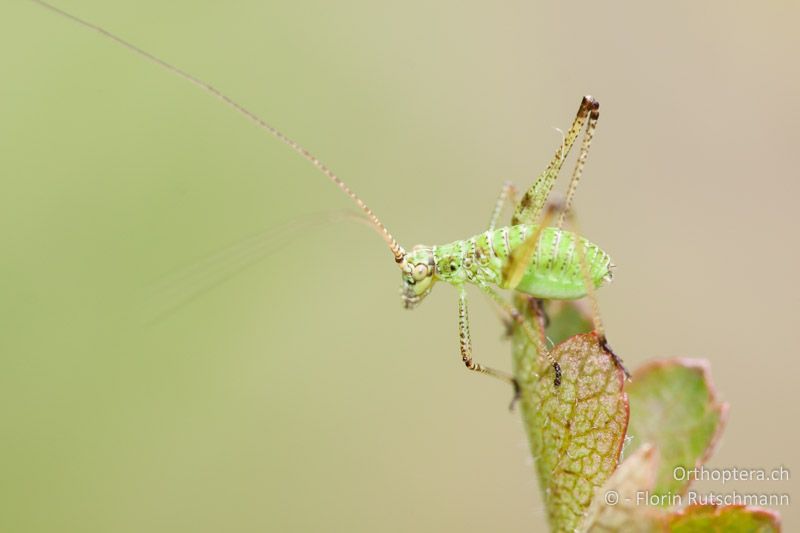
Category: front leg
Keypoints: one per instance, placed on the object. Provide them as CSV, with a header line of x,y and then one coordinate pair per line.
x,y
466,344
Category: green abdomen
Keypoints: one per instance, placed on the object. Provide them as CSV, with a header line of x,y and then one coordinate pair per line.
x,y
555,270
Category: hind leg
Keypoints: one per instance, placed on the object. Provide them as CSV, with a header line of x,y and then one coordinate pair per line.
x,y
591,294
532,203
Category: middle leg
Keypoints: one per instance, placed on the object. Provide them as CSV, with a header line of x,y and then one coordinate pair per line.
x,y
535,334
507,194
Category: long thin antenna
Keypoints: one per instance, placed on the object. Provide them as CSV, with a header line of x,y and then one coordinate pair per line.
x,y
397,250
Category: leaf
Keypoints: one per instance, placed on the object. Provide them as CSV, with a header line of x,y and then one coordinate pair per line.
x,y
728,519
617,506
620,506
567,318
674,406
576,431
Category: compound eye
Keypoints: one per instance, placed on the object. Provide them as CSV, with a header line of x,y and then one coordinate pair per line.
x,y
420,272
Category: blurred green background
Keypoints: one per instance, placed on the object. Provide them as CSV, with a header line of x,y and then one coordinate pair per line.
x,y
299,395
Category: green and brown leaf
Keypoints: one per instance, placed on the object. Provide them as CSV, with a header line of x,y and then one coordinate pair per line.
x,y
618,506
576,433
727,519
674,406
576,430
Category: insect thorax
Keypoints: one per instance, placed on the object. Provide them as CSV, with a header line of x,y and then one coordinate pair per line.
x,y
555,270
